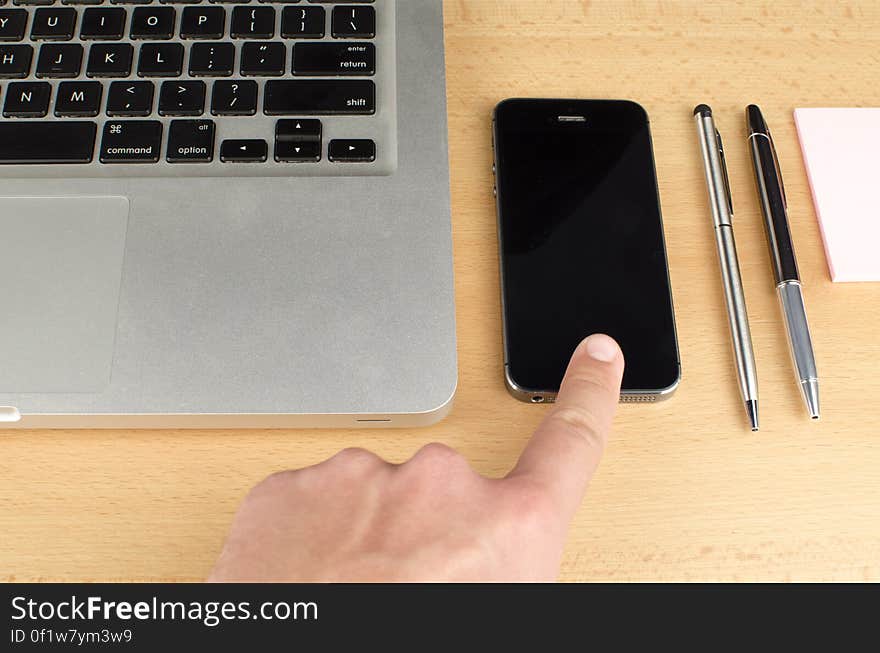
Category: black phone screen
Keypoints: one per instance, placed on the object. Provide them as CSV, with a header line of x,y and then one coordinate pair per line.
x,y
582,240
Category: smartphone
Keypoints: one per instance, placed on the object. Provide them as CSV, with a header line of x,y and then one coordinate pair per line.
x,y
582,245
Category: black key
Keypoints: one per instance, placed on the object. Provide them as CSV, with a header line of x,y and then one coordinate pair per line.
x,y
54,23
305,97
334,59
202,22
47,142
160,60
27,99
303,22
353,22
263,59
211,59
190,141
297,152
15,60
299,130
34,2
352,151
252,23
59,60
78,99
103,23
236,97
81,2
12,24
182,98
298,140
131,2
152,23
130,99
244,151
109,60
131,141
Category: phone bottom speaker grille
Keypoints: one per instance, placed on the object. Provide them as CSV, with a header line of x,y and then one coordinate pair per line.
x,y
638,399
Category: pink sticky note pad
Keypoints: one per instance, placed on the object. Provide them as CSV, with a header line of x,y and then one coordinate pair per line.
x,y
842,152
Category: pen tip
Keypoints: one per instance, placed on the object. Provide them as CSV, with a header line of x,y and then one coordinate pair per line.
x,y
702,110
811,397
752,410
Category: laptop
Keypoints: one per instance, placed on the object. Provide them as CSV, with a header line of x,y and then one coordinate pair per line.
x,y
224,214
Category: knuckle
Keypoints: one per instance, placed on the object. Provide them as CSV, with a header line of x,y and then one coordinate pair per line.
x,y
581,422
273,484
355,458
439,454
276,479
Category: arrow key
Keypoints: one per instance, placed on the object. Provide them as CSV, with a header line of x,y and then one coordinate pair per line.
x,y
352,151
298,140
130,99
298,152
295,129
244,151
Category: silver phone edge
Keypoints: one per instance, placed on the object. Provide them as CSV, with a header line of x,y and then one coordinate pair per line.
x,y
626,396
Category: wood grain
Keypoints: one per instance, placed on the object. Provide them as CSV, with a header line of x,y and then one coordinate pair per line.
x,y
686,492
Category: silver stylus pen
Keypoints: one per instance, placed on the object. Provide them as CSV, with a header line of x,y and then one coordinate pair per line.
x,y
788,283
722,216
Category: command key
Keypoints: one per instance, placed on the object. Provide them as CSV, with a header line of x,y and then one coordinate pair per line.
x,y
131,141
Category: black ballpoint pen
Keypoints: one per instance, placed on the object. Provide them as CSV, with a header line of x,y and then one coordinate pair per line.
x,y
788,284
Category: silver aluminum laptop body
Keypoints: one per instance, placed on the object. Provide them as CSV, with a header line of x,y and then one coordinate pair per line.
x,y
222,294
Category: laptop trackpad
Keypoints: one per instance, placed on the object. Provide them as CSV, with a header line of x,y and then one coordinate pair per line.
x,y
60,272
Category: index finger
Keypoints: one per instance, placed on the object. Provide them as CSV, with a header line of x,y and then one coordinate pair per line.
x,y
565,450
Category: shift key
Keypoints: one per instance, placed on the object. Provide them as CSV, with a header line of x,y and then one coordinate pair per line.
x,y
131,141
284,97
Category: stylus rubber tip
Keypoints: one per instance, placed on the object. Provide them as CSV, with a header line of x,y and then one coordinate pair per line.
x,y
703,110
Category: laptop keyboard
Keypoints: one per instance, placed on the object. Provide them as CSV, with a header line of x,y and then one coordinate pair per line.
x,y
196,87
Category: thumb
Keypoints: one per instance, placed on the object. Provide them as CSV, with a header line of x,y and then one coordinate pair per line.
x,y
565,451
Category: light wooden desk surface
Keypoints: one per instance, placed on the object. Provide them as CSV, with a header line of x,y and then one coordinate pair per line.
x,y
686,492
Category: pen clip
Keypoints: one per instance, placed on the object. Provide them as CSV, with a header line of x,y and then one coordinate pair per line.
x,y
778,169
724,170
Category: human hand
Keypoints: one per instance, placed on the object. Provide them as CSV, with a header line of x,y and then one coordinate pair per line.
x,y
357,518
